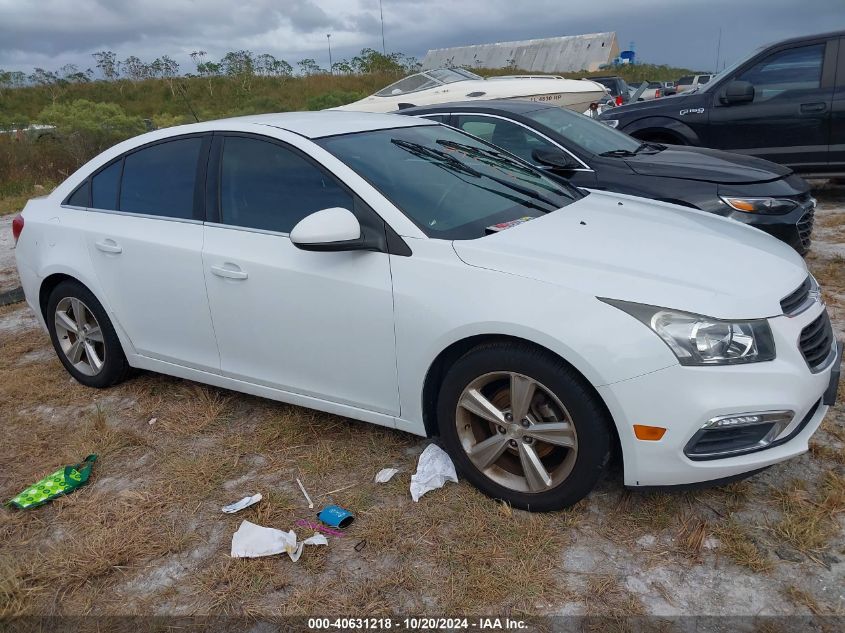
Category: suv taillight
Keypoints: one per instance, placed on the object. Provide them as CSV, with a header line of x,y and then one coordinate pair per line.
x,y
17,228
619,100
657,93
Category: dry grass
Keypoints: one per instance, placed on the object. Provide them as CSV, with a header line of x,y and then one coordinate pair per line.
x,y
809,521
738,543
609,606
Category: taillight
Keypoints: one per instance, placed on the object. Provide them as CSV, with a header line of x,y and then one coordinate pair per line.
x,y
17,227
657,93
619,100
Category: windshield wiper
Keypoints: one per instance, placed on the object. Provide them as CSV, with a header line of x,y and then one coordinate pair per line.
x,y
447,161
614,153
657,147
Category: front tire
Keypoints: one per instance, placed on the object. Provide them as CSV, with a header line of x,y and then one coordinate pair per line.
x,y
523,426
83,336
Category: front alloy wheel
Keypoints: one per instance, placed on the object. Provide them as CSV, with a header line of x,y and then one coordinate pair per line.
x,y
516,432
523,426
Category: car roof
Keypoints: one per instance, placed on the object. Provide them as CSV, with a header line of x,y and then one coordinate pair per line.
x,y
325,122
515,106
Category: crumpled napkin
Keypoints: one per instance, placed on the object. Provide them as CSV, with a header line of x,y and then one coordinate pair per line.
x,y
252,541
434,469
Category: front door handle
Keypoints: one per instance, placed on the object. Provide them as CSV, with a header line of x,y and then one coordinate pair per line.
x,y
819,106
229,271
109,246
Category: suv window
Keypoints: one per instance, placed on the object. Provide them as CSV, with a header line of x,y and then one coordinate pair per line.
x,y
264,185
159,180
506,134
684,81
104,187
703,79
797,68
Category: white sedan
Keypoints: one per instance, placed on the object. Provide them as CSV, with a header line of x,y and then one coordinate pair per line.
x,y
401,272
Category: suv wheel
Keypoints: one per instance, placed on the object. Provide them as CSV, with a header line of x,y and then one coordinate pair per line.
x,y
83,336
523,426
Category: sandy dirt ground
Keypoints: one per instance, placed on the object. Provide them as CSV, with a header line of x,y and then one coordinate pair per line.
x,y
146,535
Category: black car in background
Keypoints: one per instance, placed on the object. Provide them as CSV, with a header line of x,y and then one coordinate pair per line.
x,y
784,103
592,155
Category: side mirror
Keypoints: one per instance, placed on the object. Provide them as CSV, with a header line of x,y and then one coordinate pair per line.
x,y
554,158
334,229
739,92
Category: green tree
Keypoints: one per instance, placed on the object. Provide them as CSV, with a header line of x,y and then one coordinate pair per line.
x,y
309,67
239,65
88,127
108,64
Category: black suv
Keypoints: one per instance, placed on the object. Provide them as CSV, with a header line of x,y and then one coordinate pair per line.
x,y
785,103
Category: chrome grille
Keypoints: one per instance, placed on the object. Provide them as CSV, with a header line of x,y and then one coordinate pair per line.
x,y
794,300
816,342
805,227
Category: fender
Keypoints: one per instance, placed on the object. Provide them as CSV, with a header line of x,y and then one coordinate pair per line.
x,y
90,282
664,125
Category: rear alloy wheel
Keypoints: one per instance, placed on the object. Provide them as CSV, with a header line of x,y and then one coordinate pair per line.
x,y
523,426
80,336
83,336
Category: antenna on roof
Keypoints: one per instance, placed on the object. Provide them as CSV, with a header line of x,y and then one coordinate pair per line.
x,y
184,93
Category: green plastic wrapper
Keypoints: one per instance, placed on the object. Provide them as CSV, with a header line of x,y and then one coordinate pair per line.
x,y
62,482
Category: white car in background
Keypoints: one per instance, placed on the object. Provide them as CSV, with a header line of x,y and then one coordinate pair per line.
x,y
457,84
398,271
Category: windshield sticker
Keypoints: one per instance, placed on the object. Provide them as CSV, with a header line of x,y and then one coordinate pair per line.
x,y
501,226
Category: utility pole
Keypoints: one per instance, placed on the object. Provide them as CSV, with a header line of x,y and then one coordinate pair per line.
x,y
381,12
331,66
718,49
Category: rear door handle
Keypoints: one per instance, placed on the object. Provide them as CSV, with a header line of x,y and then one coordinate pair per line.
x,y
109,246
229,271
819,106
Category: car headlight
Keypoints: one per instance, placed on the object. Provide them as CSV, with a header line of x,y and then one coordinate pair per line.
x,y
614,123
770,206
701,340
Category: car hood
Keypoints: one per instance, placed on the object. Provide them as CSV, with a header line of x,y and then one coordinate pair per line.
x,y
622,247
709,165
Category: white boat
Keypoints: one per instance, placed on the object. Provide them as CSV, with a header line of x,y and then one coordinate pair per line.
x,y
457,84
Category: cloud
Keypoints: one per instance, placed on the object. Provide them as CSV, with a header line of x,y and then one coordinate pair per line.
x,y
50,33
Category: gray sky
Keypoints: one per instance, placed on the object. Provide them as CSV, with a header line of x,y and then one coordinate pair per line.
x,y
50,33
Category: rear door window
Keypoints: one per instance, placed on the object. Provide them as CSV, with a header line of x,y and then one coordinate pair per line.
x,y
160,180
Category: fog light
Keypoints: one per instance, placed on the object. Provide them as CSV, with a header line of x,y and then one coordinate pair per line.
x,y
737,433
748,419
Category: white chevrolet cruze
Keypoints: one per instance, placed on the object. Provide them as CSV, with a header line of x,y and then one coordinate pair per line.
x,y
398,271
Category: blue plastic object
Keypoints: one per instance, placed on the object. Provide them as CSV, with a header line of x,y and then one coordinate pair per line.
x,y
335,516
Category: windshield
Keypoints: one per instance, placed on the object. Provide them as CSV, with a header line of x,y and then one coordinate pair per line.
x,y
425,80
586,133
452,185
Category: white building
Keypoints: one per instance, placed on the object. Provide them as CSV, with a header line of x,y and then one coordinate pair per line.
x,y
568,53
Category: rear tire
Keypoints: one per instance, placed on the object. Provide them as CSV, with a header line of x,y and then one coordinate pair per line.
x,y
83,336
548,459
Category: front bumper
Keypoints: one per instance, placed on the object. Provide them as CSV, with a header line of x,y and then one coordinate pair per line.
x,y
682,399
